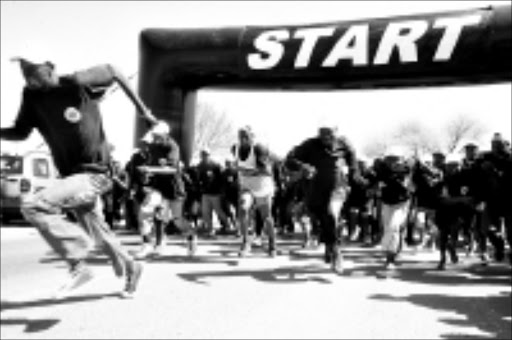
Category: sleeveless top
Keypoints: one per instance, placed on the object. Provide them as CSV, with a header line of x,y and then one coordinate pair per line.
x,y
261,185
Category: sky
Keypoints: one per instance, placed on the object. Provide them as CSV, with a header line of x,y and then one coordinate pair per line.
x,y
77,35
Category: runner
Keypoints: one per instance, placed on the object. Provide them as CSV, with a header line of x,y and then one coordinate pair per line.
x,y
256,188
324,159
65,110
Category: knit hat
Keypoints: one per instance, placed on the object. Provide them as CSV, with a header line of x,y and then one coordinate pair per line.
x,y
29,68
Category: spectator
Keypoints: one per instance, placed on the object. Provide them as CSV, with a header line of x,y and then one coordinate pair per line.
x,y
210,184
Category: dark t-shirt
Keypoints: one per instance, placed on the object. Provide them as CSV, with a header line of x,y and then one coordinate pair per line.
x,y
328,162
395,182
210,178
68,118
171,186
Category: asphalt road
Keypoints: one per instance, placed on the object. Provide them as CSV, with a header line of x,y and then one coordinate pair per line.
x,y
218,295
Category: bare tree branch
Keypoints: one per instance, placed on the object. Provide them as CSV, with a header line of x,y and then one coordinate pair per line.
x,y
460,128
213,130
416,137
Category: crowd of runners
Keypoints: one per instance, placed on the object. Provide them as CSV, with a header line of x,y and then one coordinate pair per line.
x,y
321,190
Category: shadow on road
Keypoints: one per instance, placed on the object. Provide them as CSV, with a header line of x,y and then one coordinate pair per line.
x,y
34,326
31,326
498,326
8,305
291,274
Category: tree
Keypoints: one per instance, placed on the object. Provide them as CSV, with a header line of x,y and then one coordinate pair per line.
x,y
415,137
375,148
213,130
460,128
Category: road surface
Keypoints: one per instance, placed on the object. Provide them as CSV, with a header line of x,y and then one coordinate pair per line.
x,y
218,295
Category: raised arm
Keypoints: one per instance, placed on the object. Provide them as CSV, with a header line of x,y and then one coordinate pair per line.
x,y
104,76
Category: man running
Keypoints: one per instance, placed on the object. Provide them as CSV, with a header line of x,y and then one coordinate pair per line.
x,y
323,159
164,191
256,188
65,110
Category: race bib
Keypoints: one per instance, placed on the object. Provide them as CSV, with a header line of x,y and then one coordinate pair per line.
x,y
72,115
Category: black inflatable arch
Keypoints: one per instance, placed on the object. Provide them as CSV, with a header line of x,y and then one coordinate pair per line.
x,y
446,48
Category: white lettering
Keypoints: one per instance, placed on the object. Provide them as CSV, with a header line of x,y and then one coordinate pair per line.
x,y
453,28
352,45
309,38
406,43
270,44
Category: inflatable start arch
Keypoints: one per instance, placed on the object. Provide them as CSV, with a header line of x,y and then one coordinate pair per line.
x,y
446,48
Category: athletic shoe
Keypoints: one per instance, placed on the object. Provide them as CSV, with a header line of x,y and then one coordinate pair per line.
x,y
246,249
79,276
160,250
390,266
484,260
134,273
257,241
144,252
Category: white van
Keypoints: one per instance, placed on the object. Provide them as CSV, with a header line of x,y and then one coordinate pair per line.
x,y
21,175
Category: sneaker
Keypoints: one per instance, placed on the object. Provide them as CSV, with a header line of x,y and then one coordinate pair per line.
x,y
355,235
144,252
79,277
390,261
257,241
484,260
246,249
272,251
191,245
159,250
390,266
132,280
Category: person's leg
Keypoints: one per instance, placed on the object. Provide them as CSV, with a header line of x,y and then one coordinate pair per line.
x,y
175,208
353,214
82,194
206,214
393,218
441,220
264,207
494,231
334,227
508,232
161,222
217,207
152,201
45,210
92,219
245,213
364,219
